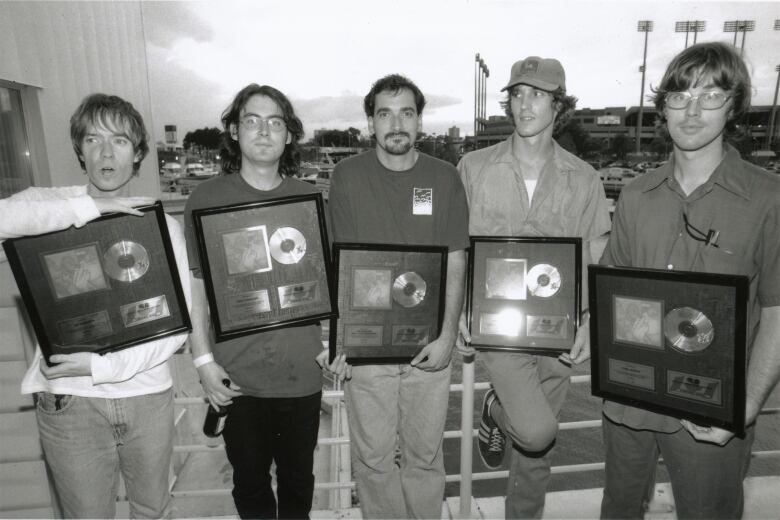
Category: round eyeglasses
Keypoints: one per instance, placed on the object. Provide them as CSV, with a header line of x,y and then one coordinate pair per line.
x,y
707,100
254,123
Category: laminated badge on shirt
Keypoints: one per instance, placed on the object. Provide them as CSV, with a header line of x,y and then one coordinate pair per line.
x,y
422,201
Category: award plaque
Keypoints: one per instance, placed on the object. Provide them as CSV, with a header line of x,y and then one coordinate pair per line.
x,y
265,264
108,285
671,342
390,300
524,293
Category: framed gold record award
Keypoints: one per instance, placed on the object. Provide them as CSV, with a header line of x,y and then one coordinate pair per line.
x,y
265,264
524,293
108,285
672,342
390,300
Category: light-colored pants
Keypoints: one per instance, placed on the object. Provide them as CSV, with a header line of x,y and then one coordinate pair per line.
x,y
531,390
706,478
87,441
397,407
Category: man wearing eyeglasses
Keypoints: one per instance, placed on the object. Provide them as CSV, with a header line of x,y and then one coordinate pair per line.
x,y
275,386
530,186
706,210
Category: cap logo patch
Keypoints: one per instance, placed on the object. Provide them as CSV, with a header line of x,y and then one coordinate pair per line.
x,y
530,66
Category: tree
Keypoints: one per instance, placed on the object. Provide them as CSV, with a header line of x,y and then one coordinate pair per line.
x,y
206,138
620,146
660,146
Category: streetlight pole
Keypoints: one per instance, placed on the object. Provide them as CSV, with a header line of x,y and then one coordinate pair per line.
x,y
694,26
737,26
645,26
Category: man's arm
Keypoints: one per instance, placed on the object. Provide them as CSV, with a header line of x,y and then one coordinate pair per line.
x,y
22,217
763,375
341,221
764,366
436,355
211,374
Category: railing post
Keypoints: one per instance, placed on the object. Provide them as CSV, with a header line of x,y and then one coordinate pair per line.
x,y
467,438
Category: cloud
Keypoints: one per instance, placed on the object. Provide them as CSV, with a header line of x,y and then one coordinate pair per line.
x,y
436,101
167,22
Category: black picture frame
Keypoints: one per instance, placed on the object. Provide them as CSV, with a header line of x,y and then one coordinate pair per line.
x,y
523,293
106,286
671,342
266,265
391,300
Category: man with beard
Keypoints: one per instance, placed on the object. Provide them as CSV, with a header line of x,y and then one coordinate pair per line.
x,y
397,195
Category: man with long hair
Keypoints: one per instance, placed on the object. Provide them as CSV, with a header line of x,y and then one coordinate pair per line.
x,y
275,386
705,210
530,186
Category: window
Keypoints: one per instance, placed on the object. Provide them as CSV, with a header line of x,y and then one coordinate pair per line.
x,y
15,161
588,120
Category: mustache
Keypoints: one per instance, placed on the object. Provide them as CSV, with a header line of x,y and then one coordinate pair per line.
x,y
397,134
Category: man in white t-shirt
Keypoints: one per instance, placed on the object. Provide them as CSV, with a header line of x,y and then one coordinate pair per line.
x,y
102,414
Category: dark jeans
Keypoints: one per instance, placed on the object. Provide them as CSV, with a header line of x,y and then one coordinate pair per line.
x,y
259,430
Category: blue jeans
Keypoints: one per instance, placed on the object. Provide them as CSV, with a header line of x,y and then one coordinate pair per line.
x,y
87,441
284,430
706,478
531,390
397,407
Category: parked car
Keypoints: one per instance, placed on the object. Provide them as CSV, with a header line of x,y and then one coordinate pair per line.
x,y
194,169
171,170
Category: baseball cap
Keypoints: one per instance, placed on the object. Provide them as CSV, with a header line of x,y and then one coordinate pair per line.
x,y
543,73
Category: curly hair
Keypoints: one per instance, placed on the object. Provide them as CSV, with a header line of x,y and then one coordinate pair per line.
x,y
230,151
393,83
111,112
564,107
717,61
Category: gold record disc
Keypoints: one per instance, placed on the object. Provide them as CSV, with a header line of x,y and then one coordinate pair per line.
x,y
409,289
288,245
126,261
544,280
688,329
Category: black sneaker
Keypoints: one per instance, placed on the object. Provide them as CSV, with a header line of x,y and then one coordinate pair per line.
x,y
492,443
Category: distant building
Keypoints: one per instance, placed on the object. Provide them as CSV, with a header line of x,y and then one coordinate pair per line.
x,y
608,122
454,133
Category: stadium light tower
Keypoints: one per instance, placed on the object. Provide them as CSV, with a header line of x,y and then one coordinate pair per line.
x,y
690,26
481,73
770,135
645,26
737,26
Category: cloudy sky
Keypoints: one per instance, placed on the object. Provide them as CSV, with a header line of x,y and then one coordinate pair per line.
x,y
325,54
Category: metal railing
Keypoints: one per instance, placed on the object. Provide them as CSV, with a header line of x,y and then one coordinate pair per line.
x,y
341,483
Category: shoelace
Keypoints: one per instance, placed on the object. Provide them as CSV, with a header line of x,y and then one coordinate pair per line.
x,y
496,442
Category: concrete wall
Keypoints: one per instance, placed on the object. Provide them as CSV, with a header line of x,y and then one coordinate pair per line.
x,y
64,51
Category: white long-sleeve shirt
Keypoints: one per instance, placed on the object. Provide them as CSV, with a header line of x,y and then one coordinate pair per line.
x,y
139,370
42,210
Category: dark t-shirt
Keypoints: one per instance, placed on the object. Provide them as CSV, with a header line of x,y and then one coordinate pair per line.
x,y
278,363
425,205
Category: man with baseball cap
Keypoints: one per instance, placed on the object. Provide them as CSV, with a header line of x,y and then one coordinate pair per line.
x,y
529,186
